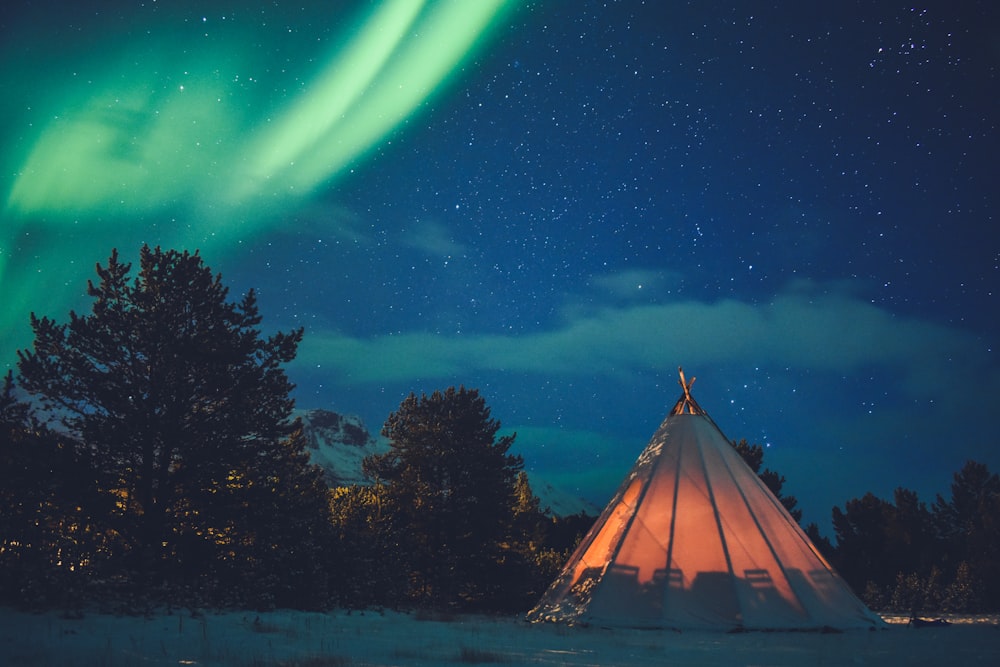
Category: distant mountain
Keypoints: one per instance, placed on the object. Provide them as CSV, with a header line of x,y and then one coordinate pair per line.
x,y
559,501
338,443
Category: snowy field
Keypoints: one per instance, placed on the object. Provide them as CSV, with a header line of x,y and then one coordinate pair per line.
x,y
371,638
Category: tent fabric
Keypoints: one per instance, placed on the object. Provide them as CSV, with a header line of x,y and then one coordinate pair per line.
x,y
694,540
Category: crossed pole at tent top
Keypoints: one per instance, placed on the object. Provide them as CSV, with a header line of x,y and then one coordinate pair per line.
x,y
686,403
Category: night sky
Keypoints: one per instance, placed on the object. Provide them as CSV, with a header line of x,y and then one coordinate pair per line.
x,y
557,203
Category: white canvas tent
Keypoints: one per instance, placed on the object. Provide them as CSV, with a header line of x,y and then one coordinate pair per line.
x,y
693,539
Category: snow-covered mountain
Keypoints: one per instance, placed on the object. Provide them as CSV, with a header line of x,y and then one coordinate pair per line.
x,y
338,443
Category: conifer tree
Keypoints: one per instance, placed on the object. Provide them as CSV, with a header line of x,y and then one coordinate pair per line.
x,y
969,524
366,549
46,535
184,408
449,486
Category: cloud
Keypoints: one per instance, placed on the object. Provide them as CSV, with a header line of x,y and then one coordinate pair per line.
x,y
635,284
433,238
804,327
589,463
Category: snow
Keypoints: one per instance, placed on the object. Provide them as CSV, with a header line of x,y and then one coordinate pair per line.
x,y
215,639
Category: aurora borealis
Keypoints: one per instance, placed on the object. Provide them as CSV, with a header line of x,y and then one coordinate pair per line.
x,y
557,203
170,122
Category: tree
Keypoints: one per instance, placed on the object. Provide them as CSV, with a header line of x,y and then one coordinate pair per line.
x,y
754,457
183,407
911,534
861,530
820,541
908,558
531,561
969,524
448,485
365,547
265,534
889,546
46,535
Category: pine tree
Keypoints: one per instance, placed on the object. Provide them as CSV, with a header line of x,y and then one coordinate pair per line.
x,y
47,495
184,409
861,533
448,484
891,544
969,524
364,546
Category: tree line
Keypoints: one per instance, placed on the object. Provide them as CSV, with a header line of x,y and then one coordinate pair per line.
x,y
148,457
904,556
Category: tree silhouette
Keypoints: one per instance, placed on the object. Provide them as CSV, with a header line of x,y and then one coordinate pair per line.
x,y
903,557
969,525
46,490
861,530
448,485
366,549
183,407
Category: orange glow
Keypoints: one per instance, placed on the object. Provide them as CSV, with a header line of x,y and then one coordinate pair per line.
x,y
696,540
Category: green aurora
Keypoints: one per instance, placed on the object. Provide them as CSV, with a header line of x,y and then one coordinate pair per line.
x,y
198,130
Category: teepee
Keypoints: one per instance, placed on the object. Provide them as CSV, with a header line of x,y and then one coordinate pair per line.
x,y
693,539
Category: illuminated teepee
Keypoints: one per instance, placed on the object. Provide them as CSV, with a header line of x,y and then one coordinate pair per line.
x,y
693,539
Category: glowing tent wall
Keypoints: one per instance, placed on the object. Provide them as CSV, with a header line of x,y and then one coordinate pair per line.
x,y
693,539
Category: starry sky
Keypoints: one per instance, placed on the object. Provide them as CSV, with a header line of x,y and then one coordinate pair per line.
x,y
557,203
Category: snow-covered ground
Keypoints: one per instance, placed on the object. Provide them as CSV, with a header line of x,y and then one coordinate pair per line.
x,y
371,638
